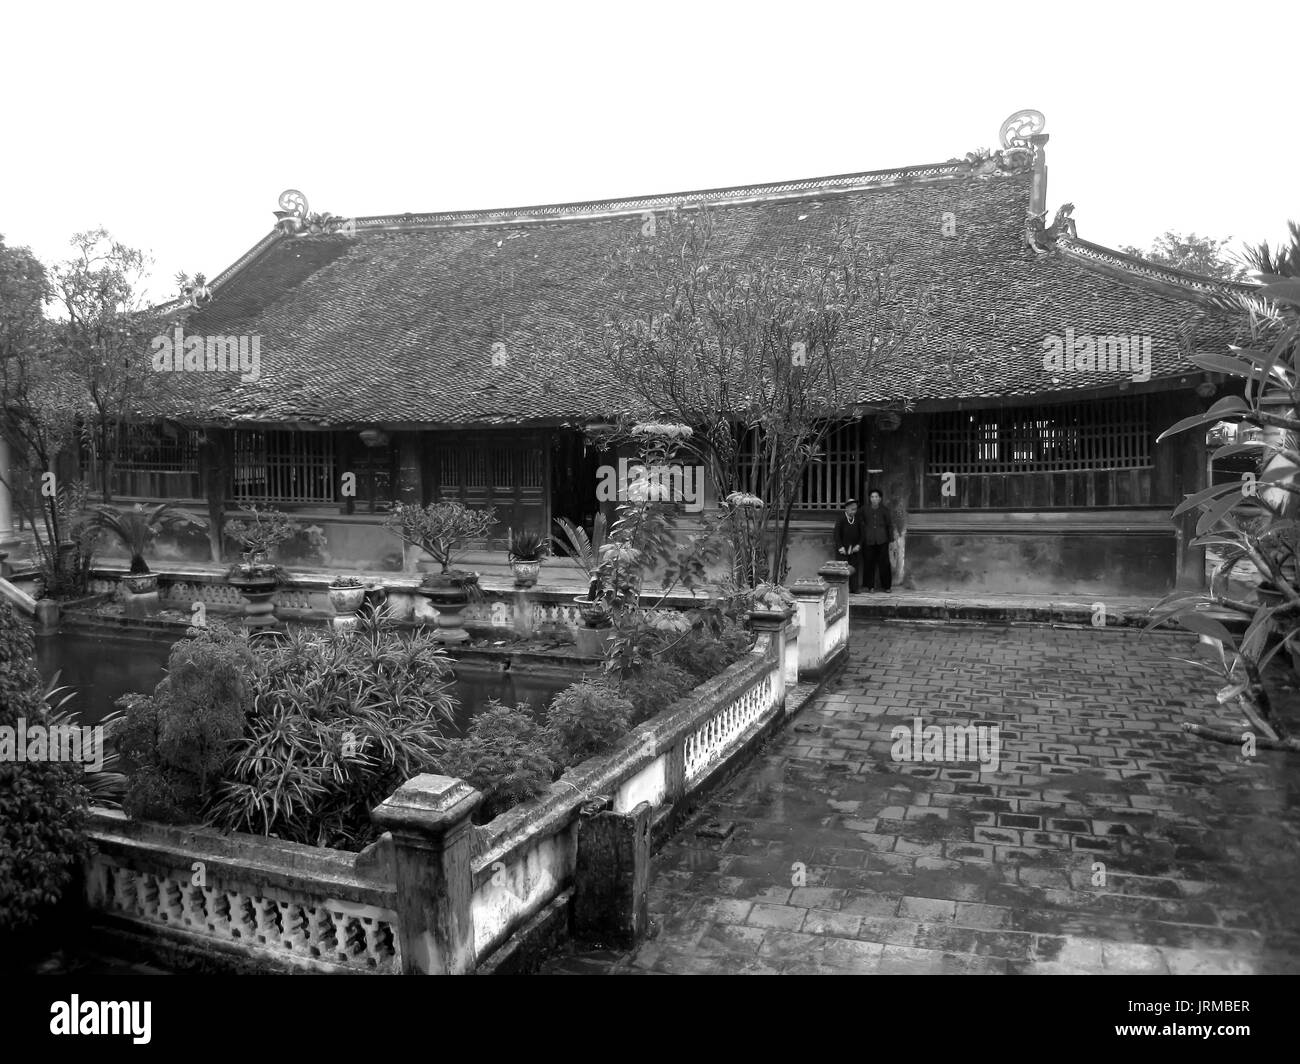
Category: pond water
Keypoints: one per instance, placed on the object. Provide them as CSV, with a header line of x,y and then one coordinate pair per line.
x,y
102,668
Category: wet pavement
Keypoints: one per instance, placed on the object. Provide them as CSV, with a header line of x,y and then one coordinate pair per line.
x,y
1108,841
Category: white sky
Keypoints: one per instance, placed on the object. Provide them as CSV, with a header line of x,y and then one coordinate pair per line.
x,y
177,125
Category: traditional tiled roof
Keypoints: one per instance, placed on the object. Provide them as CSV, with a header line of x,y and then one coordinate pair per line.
x,y
394,319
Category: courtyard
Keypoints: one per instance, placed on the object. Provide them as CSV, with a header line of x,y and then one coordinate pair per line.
x,y
1110,841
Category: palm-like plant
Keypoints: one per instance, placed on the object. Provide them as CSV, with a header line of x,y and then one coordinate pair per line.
x,y
137,528
583,550
106,784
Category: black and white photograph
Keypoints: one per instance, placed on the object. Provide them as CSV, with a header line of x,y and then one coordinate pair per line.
x,y
649,489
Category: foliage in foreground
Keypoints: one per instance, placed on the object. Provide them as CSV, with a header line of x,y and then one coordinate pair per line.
x,y
1254,519
42,803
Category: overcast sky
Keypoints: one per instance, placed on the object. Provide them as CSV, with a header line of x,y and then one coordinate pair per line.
x,y
176,126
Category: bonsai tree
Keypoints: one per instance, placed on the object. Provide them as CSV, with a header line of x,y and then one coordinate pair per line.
x,y
260,533
440,529
137,528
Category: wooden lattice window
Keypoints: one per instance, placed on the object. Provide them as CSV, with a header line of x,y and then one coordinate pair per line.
x,y
837,472
272,465
530,469
150,448
1103,435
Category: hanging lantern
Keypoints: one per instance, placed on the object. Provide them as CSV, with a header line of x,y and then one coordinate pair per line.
x,y
888,421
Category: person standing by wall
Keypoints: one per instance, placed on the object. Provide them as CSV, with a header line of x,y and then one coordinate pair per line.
x,y
848,543
878,533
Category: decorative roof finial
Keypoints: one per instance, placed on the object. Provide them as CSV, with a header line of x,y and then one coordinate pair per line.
x,y
1017,129
295,218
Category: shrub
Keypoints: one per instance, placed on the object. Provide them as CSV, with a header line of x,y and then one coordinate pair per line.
x,y
652,688
42,803
506,755
339,721
175,741
586,719
704,655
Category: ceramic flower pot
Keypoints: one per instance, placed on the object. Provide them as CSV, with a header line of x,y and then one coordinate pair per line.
x,y
525,572
346,600
594,612
140,583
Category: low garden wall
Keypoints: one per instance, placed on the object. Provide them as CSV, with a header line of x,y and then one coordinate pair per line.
x,y
439,894
542,611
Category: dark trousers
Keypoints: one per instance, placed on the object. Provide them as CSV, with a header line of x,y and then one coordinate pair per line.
x,y
855,563
879,573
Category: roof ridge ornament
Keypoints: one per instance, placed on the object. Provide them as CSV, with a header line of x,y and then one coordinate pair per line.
x,y
1017,129
295,219
1017,153
1041,239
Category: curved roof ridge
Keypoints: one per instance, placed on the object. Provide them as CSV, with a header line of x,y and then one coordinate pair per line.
x,y
794,188
1099,255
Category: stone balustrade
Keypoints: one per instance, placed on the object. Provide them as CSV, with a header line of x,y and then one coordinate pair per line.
x,y
255,901
440,895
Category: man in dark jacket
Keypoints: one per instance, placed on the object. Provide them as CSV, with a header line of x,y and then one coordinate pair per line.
x,y
848,542
877,534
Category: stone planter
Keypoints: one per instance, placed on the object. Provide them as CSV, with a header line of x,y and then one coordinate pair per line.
x,y
140,595
592,642
525,571
258,588
449,594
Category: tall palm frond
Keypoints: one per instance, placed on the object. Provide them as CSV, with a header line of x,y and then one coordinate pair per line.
x,y
136,528
583,550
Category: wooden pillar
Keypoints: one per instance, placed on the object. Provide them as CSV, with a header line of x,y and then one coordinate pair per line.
x,y
410,468
429,817
216,469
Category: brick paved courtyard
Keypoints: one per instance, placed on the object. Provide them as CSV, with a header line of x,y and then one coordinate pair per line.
x,y
941,868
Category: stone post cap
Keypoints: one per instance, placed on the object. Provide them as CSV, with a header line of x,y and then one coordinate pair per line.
x,y
427,804
769,620
808,588
836,570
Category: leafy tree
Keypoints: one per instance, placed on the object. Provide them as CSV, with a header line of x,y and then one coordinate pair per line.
x,y
105,338
1253,520
40,405
757,353
1193,254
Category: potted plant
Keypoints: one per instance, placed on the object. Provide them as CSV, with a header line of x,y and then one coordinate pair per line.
x,y
346,593
256,576
136,529
442,530
527,549
584,552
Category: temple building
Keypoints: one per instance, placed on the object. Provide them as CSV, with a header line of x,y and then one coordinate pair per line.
x,y
1016,445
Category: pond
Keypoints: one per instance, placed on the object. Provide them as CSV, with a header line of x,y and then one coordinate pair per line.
x,y
102,668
